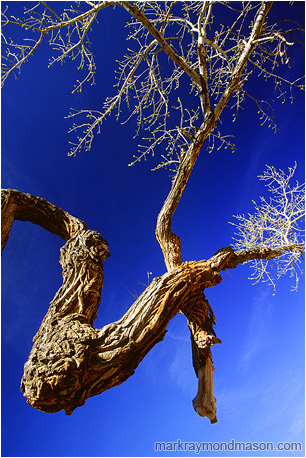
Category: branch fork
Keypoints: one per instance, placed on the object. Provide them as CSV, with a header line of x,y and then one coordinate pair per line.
x,y
70,360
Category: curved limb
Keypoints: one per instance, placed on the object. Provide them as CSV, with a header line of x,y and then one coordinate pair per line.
x,y
70,360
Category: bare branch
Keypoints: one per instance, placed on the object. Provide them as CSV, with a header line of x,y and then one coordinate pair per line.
x,y
79,25
275,228
214,56
132,9
247,51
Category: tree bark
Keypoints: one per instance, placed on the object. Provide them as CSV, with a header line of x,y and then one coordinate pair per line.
x,y
170,242
70,360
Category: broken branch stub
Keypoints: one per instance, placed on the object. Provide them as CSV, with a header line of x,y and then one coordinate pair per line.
x,y
200,321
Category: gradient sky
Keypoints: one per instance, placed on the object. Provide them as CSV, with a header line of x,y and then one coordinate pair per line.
x,y
259,376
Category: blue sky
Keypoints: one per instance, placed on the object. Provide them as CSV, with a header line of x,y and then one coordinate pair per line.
x,y
259,376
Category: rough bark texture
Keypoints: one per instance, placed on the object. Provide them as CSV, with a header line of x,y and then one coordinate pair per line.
x,y
169,241
70,360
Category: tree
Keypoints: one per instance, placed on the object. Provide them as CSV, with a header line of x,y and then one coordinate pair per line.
x,y
71,360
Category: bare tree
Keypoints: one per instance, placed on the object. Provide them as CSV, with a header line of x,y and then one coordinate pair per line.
x,y
70,360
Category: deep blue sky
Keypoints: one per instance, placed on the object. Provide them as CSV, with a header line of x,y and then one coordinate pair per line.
x,y
259,376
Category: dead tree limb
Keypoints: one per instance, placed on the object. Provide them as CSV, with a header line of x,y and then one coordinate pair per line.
x,y
70,360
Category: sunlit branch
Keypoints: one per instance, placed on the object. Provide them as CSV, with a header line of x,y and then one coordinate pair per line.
x,y
37,25
248,48
269,74
204,94
162,42
19,61
276,225
264,116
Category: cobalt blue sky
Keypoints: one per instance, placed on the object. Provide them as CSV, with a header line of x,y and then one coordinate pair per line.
x,y
259,376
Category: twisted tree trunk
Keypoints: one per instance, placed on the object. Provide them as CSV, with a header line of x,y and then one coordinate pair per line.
x,y
70,359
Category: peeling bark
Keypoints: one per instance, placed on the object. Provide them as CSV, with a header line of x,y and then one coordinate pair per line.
x,y
200,321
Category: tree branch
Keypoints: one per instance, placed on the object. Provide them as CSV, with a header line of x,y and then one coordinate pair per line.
x,y
132,9
25,207
228,258
170,242
204,94
70,360
56,25
259,22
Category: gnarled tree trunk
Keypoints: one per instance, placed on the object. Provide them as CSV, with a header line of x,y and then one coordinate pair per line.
x,y
70,359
